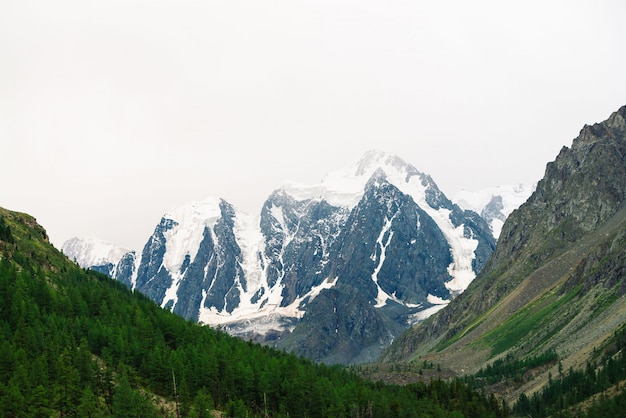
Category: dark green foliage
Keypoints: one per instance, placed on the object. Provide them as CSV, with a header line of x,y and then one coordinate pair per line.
x,y
5,231
76,343
578,385
511,368
608,407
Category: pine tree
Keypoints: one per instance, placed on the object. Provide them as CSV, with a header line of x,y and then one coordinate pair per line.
x,y
128,403
5,231
68,385
89,405
13,402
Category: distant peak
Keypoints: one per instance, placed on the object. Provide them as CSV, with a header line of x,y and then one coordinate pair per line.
x,y
208,208
88,252
345,187
375,159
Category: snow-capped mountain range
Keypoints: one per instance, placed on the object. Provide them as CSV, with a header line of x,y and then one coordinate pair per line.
x,y
333,271
90,252
495,204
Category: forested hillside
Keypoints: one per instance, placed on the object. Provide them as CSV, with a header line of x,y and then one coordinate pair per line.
x,y
76,343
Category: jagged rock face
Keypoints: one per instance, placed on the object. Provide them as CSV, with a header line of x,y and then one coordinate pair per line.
x,y
389,257
191,289
493,210
299,237
567,239
581,189
334,274
341,326
209,276
153,278
225,277
388,234
125,268
108,269
605,266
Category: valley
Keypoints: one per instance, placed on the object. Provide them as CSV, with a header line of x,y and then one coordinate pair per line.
x,y
400,284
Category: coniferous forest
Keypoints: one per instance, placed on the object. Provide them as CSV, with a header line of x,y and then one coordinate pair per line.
x,y
567,390
74,343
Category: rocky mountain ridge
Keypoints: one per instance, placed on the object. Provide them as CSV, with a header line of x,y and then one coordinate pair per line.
x,y
556,281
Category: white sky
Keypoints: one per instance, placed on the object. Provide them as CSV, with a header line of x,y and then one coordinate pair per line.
x,y
113,111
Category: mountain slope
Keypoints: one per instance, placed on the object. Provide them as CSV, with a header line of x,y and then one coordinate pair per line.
x,y
379,229
556,280
75,343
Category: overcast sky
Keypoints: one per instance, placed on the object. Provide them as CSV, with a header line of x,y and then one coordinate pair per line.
x,y
112,112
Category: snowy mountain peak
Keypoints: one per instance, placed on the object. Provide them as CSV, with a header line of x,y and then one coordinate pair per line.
x,y
184,237
345,187
89,252
205,211
374,159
